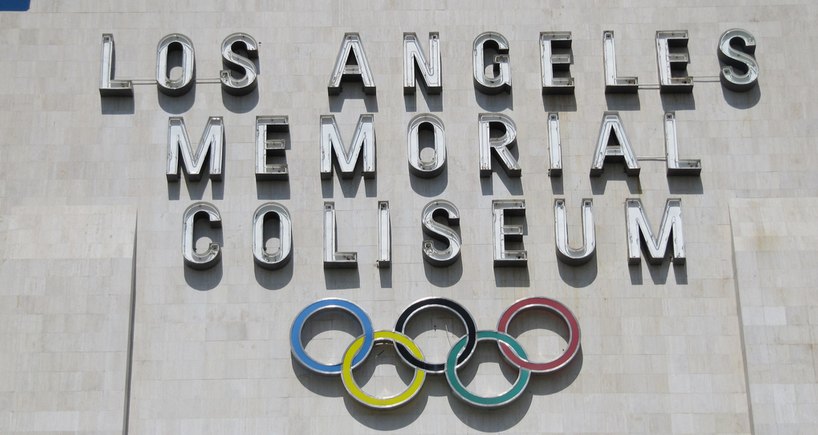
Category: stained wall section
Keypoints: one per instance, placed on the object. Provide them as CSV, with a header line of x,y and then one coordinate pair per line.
x,y
775,268
66,278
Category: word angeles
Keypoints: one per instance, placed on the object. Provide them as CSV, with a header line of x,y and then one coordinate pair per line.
x,y
411,354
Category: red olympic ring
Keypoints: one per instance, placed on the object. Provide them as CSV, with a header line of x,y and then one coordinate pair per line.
x,y
550,304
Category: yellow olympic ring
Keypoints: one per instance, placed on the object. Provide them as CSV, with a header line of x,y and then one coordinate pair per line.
x,y
376,402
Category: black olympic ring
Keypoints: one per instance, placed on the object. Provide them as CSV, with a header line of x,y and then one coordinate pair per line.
x,y
447,304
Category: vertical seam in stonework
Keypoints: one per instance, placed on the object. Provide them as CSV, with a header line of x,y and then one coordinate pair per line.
x,y
129,353
741,326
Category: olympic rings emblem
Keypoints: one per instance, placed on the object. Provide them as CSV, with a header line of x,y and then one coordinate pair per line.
x,y
411,354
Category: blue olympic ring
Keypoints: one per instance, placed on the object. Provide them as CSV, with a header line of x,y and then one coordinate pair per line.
x,y
328,304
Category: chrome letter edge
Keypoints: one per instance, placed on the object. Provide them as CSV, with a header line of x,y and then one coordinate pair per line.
x,y
417,165
363,142
108,86
384,236
614,83
234,61
565,252
281,256
183,84
413,57
612,124
673,62
501,80
504,232
554,146
736,59
675,166
268,148
192,258
351,45
333,258
639,230
550,63
431,254
212,141
501,145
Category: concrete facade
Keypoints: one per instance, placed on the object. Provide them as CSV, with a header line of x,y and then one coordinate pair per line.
x,y
105,330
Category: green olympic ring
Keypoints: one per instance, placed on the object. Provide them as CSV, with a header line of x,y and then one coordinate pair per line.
x,y
486,402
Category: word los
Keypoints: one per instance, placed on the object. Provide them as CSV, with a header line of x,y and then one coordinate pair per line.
x,y
411,354
736,49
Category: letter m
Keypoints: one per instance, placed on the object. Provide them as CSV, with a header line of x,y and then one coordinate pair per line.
x,y
362,140
640,234
212,141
